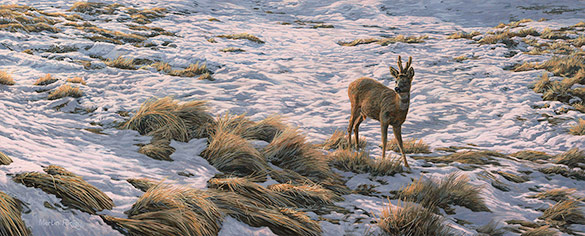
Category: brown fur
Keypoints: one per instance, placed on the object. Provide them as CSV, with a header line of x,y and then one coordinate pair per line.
x,y
370,98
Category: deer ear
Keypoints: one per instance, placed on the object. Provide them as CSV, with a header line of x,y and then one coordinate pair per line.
x,y
410,73
394,72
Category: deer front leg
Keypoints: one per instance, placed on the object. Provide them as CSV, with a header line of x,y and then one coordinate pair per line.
x,y
356,129
397,130
384,131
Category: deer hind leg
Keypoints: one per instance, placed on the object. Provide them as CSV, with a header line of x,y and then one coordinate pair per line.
x,y
356,129
397,130
384,131
354,115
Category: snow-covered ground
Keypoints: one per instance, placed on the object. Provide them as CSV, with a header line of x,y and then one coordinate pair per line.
x,y
300,72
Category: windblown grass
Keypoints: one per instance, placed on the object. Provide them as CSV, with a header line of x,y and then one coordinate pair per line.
x,y
578,129
386,41
233,155
513,24
307,196
65,91
206,76
232,49
542,84
564,213
412,219
504,37
72,189
348,160
143,184
463,35
410,146
10,220
16,18
572,158
386,167
548,33
76,80
479,157
566,66
159,149
242,36
265,129
191,71
453,189
285,176
541,231
556,194
4,159
564,171
531,155
94,8
122,63
513,177
6,79
338,140
46,80
145,16
162,66
251,190
168,119
235,124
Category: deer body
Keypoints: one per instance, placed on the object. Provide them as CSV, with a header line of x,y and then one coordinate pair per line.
x,y
370,98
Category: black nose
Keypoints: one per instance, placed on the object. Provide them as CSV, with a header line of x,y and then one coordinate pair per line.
x,y
397,89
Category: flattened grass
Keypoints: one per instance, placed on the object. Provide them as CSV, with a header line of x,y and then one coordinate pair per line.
x,y
412,219
122,63
556,194
4,159
531,155
191,71
479,157
265,129
541,231
158,150
143,184
385,41
65,91
578,129
242,36
246,187
463,35
6,79
307,196
70,188
11,222
564,213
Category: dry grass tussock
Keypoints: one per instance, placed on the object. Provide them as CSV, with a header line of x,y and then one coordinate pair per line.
x,y
16,18
206,76
169,119
541,231
463,35
232,49
410,219
567,66
531,155
472,157
556,194
513,24
242,36
72,189
6,79
10,221
95,8
360,162
564,213
285,176
143,184
289,150
410,146
122,63
564,171
191,71
234,155
578,129
513,177
116,36
265,129
306,196
4,159
162,66
572,158
548,33
247,188
386,41
46,80
76,80
453,189
146,16
158,149
65,91
338,140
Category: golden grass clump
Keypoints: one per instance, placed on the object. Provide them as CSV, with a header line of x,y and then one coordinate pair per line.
x,y
386,167
162,66
235,124
531,155
289,150
386,41
232,49
472,157
578,129
206,76
6,79
168,119
76,80
572,158
4,159
46,80
191,71
247,188
285,176
159,149
578,42
72,189
95,8
548,33
453,189
232,154
564,213
11,222
556,194
526,66
145,16
564,171
65,91
541,231
338,140
513,177
242,36
265,129
16,18
122,63
410,146
411,219
504,37
348,160
143,184
306,195
564,66
463,35
542,84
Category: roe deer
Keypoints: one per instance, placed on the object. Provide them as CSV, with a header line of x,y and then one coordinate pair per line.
x,y
370,98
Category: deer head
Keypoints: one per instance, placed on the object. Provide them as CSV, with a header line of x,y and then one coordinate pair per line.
x,y
403,77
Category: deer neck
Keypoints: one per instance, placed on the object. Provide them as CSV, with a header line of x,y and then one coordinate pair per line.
x,y
403,101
